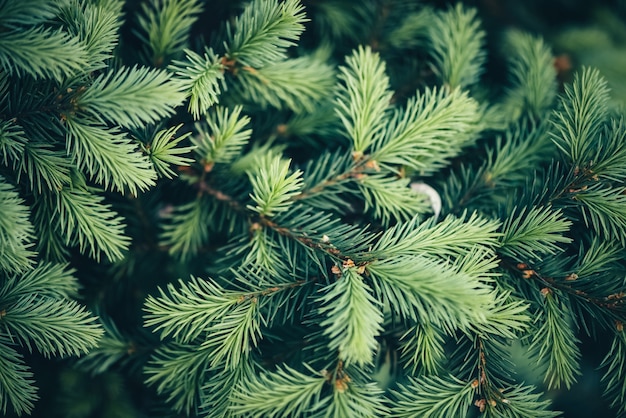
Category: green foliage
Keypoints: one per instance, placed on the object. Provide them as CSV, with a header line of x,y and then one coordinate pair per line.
x,y
457,49
359,220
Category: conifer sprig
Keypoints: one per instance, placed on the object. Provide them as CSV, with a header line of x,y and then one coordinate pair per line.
x,y
262,33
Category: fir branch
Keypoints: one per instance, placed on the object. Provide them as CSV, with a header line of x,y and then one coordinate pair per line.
x,y
391,199
452,236
182,233
298,84
16,381
12,142
131,97
163,151
45,167
50,280
273,187
433,127
532,234
262,33
433,396
263,250
352,399
42,53
26,12
52,326
113,349
165,26
179,371
580,119
284,392
520,401
609,161
422,349
237,333
555,342
525,144
419,287
218,391
604,209
457,46
614,364
353,317
200,77
187,312
507,318
413,30
223,137
532,76
363,98
96,25
16,231
85,220
109,156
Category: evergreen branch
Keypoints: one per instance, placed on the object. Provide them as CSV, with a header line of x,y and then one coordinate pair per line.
x,y
554,342
298,84
265,29
452,236
263,250
422,349
391,199
185,231
237,333
599,257
16,382
420,287
614,364
163,151
433,397
506,318
52,326
273,187
412,32
219,389
109,156
45,167
522,147
363,98
352,399
604,209
532,76
131,97
50,280
12,142
609,161
520,401
26,12
96,25
42,53
433,127
16,231
200,77
353,317
83,218
582,114
529,235
189,311
457,46
283,393
113,348
165,26
180,372
225,137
